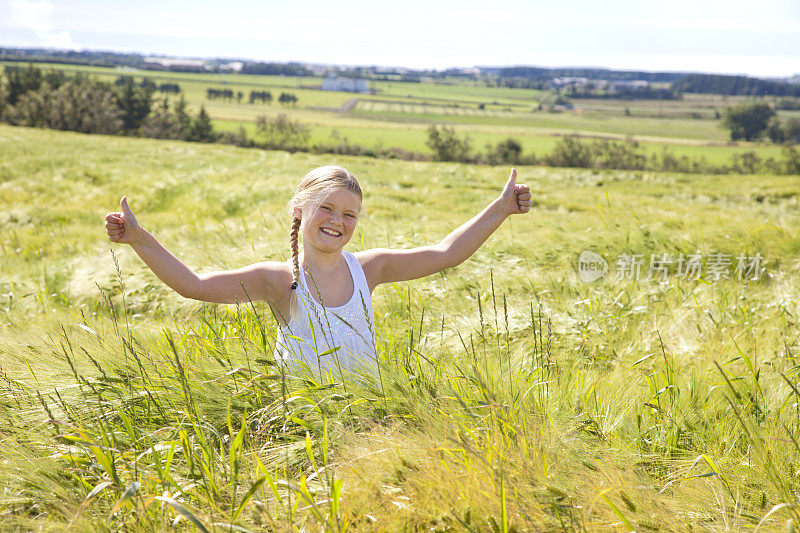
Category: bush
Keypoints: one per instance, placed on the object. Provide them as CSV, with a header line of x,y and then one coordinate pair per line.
x,y
447,145
788,104
283,133
570,151
792,160
162,124
746,163
508,151
237,138
628,155
791,130
668,161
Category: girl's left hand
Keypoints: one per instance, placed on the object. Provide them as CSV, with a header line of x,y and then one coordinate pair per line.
x,y
516,199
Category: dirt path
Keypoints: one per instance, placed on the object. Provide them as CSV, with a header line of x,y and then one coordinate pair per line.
x,y
348,105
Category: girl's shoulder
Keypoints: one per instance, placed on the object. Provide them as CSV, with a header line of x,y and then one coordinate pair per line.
x,y
371,262
277,275
278,271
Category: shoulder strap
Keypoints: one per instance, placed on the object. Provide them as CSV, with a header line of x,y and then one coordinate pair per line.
x,y
359,278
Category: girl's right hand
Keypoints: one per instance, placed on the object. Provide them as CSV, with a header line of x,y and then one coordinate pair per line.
x,y
122,227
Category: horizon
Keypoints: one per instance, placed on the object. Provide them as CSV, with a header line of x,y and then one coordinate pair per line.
x,y
374,65
716,37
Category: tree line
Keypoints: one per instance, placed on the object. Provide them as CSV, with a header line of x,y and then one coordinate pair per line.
x,y
446,144
573,151
172,88
625,93
276,69
734,85
223,94
264,97
30,97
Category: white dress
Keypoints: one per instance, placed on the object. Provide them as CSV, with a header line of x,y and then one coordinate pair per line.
x,y
331,339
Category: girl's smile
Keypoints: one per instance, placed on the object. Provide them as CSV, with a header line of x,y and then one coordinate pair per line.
x,y
331,232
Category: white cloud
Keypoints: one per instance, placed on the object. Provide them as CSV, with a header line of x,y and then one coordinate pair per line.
x,y
60,39
36,15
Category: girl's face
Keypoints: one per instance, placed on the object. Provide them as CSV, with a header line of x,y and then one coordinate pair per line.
x,y
331,225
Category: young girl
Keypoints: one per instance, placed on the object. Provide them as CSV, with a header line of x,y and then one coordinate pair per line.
x,y
322,296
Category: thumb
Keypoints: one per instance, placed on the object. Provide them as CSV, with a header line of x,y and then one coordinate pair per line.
x,y
124,205
512,181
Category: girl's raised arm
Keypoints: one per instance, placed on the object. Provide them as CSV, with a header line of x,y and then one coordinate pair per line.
x,y
261,281
386,266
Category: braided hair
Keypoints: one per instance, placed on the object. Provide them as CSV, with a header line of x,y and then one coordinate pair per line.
x,y
295,259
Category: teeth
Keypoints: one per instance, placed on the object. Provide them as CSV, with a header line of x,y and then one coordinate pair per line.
x,y
330,232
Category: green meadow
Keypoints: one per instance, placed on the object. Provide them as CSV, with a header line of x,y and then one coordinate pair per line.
x,y
509,394
398,114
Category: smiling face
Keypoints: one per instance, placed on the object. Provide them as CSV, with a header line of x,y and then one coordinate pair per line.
x,y
330,226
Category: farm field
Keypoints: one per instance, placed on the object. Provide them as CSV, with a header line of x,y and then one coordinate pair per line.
x,y
511,395
399,113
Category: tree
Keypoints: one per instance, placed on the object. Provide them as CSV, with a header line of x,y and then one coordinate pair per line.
x,y
21,81
747,121
202,130
183,118
135,104
78,105
3,99
287,98
447,145
775,131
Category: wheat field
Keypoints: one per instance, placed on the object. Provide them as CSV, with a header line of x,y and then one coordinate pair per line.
x,y
510,395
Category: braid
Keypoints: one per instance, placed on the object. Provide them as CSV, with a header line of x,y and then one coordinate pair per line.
x,y
295,259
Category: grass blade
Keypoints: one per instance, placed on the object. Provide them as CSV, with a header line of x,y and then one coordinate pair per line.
x,y
183,511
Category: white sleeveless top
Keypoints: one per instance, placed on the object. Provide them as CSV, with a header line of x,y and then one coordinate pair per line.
x,y
330,338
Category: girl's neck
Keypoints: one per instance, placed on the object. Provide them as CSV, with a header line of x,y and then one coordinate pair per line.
x,y
321,261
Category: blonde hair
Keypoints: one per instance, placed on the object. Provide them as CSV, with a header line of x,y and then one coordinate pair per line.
x,y
311,192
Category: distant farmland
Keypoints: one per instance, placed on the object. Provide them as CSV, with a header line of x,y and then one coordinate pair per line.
x,y
399,113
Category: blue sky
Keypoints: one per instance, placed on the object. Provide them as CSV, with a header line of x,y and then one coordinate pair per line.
x,y
731,36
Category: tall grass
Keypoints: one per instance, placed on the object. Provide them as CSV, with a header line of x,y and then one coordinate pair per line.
x,y
509,395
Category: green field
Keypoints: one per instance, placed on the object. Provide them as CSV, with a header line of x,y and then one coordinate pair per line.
x,y
399,113
512,395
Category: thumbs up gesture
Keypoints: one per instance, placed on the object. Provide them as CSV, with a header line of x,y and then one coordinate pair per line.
x,y
516,198
122,227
